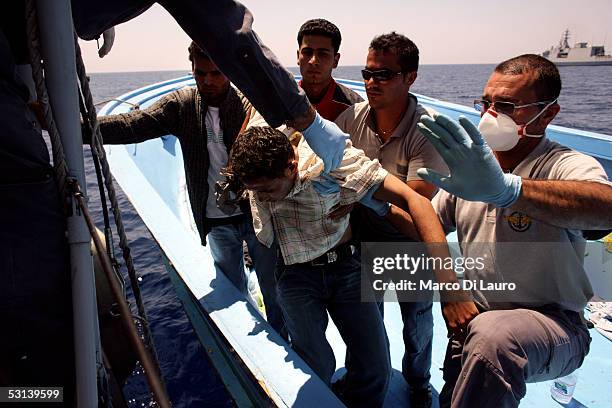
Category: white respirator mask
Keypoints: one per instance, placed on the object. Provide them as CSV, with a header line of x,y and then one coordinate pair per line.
x,y
501,132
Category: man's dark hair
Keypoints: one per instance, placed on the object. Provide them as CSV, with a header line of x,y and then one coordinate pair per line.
x,y
195,50
404,49
259,152
547,85
320,26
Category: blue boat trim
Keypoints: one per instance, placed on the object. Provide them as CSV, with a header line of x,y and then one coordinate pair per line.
x,y
140,91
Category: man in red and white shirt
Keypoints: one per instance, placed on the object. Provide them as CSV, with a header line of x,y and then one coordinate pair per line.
x,y
317,55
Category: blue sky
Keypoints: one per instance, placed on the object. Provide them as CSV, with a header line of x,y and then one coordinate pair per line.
x,y
446,31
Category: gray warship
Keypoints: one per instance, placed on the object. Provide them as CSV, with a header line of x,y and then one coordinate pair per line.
x,y
582,53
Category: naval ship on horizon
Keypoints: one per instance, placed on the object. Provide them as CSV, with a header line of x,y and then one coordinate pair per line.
x,y
582,53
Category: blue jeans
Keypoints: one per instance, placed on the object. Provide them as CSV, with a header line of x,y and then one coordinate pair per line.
x,y
306,294
417,332
225,243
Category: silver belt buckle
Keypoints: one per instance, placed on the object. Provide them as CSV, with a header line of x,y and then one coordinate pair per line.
x,y
332,256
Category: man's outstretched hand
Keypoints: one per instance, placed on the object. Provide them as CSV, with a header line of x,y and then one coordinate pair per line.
x,y
475,174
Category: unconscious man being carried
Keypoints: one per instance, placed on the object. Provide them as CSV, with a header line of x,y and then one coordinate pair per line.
x,y
318,271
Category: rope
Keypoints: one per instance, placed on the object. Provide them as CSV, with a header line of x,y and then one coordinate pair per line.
x,y
59,158
98,149
108,237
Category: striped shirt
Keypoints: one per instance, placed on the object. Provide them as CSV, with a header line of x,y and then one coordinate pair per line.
x,y
300,221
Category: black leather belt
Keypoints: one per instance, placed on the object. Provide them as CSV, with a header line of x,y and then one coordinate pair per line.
x,y
336,254
233,220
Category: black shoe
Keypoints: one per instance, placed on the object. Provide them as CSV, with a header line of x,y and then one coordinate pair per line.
x,y
420,397
339,386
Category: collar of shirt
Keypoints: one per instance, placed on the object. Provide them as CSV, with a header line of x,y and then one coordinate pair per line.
x,y
529,164
327,96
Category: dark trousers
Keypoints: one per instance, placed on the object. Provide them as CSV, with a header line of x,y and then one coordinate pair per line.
x,y
504,350
36,343
417,332
306,294
226,247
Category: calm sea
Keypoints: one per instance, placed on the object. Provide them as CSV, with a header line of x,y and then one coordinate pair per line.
x,y
586,103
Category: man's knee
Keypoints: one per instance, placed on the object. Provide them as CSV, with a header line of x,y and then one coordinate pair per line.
x,y
491,339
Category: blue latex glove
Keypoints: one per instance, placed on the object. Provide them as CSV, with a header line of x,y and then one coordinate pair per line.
x,y
327,140
381,208
325,184
475,174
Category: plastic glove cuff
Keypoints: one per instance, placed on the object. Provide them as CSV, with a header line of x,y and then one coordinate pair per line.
x,y
381,208
315,127
511,192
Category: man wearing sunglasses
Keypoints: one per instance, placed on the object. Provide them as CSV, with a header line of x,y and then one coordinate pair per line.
x,y
385,128
319,42
518,190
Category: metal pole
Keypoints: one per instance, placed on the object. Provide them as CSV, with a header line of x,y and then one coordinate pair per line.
x,y
57,43
150,369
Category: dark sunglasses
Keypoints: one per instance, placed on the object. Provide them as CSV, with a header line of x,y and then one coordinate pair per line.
x,y
507,108
379,75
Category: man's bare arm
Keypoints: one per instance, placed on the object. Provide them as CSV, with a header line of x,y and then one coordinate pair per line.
x,y
458,308
581,205
402,221
423,215
422,218
424,188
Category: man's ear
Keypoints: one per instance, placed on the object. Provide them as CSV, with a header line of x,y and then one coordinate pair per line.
x,y
293,166
297,55
336,59
410,77
550,114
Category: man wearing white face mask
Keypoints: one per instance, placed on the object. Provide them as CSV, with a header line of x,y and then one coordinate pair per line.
x,y
498,128
522,191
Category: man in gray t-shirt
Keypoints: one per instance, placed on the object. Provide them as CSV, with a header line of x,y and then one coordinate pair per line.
x,y
385,128
518,190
